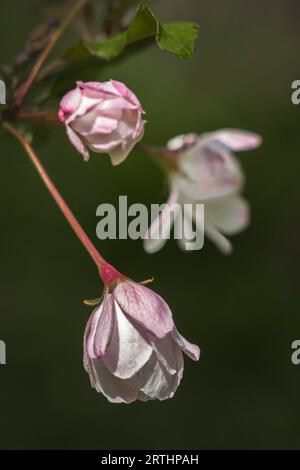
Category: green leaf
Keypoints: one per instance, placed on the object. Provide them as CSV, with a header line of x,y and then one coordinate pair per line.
x,y
109,49
177,38
143,25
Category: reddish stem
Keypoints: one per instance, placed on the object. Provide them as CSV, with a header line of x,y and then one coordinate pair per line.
x,y
48,117
107,272
22,91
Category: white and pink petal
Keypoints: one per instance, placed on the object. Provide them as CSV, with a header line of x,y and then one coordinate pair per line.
x,y
145,308
230,214
236,139
77,142
128,350
157,383
116,390
191,350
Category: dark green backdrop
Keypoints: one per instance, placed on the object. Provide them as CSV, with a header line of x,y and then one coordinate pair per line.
x,y
242,310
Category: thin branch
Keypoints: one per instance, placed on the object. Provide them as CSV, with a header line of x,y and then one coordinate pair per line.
x,y
48,117
22,91
81,234
164,157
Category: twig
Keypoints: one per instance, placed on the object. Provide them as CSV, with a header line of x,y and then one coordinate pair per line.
x,y
49,117
83,237
22,91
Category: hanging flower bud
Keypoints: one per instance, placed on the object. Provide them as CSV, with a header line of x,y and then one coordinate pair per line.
x,y
132,350
103,117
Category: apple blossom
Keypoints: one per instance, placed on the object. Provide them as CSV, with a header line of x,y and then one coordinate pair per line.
x,y
204,170
103,117
132,349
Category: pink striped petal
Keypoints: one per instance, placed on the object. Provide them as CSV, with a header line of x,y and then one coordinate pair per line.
x,y
104,326
103,146
168,353
86,359
191,350
144,307
209,171
77,142
126,93
230,214
119,154
236,139
116,390
116,103
128,351
93,322
157,383
69,104
139,128
97,88
218,239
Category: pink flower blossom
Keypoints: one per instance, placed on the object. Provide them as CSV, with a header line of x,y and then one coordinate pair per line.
x,y
132,350
207,172
103,117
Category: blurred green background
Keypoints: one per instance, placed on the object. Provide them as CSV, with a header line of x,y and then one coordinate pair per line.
x,y
243,310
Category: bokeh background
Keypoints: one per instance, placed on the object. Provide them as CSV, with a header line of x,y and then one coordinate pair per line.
x,y
243,310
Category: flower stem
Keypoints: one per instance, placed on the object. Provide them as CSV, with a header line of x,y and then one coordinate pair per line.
x,y
103,266
163,157
48,117
22,91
